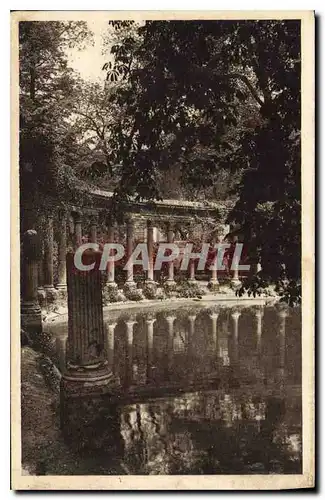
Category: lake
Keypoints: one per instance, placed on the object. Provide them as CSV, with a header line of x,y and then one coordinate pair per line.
x,y
206,390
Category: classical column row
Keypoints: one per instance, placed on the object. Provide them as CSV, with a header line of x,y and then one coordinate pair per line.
x,y
45,268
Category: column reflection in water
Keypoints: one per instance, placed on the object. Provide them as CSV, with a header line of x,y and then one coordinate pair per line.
x,y
214,318
129,351
259,313
170,343
191,333
149,322
110,338
282,314
235,315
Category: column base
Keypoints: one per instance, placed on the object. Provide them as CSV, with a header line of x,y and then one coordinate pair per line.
x,y
129,286
110,293
213,285
62,292
31,317
150,289
61,286
111,284
170,282
235,283
51,296
91,380
41,295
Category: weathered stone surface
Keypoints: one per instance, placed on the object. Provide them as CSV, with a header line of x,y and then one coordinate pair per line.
x,y
31,318
87,370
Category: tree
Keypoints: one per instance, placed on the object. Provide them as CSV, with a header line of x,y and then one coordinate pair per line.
x,y
215,95
47,142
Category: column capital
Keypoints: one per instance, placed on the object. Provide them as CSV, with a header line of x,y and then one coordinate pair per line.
x,y
151,321
77,216
130,323
259,312
235,313
282,309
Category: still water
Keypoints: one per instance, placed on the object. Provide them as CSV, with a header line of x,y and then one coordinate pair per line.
x,y
206,390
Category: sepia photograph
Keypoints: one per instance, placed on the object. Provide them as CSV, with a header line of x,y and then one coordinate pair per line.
x,y
162,246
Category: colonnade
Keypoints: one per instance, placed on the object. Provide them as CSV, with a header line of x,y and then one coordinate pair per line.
x,y
48,292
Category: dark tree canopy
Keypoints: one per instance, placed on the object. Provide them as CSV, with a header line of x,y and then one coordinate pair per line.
x,y
212,96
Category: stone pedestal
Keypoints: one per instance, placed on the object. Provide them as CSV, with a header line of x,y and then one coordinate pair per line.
x,y
31,318
87,370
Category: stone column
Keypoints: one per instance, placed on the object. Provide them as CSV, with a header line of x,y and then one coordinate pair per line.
x,y
77,229
170,239
93,229
87,367
40,289
50,292
235,315
235,281
110,337
31,318
149,322
129,249
62,253
214,317
192,271
150,277
111,264
213,284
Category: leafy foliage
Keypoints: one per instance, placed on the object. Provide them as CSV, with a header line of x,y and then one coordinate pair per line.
x,y
211,97
48,147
